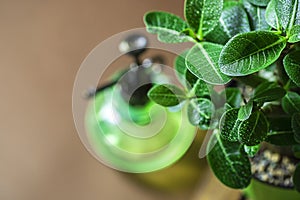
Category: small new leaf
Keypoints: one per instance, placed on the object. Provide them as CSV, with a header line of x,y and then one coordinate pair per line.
x,y
291,103
229,162
291,64
166,95
251,150
167,26
200,112
202,60
203,15
254,130
247,53
296,126
245,111
229,125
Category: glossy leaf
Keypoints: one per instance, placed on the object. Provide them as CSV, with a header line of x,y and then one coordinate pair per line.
x,y
203,15
247,53
167,26
200,112
202,60
295,34
296,179
296,126
286,12
245,111
254,130
251,150
284,138
271,15
229,162
256,16
233,20
291,64
229,125
268,91
259,2
166,95
291,103
233,96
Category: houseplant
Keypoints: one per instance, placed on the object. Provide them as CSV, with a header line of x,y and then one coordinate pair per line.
x,y
252,47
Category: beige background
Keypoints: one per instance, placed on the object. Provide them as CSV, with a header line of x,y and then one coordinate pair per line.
x,y
42,44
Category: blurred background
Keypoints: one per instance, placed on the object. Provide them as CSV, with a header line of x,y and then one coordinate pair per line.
x,y
42,45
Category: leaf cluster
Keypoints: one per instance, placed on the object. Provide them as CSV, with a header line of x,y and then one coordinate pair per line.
x,y
253,48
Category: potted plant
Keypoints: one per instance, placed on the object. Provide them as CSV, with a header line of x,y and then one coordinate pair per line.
x,y
252,48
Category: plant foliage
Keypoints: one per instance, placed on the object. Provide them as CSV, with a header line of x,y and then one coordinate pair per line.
x,y
252,47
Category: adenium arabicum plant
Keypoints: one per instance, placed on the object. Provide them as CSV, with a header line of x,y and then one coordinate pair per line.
x,y
252,47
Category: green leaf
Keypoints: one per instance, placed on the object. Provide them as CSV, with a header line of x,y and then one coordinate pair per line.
x,y
271,15
233,96
200,112
268,91
254,130
233,20
203,15
296,179
247,53
202,60
166,95
169,27
256,16
229,125
284,138
291,103
251,150
259,2
296,126
294,34
229,162
200,89
245,111
286,11
291,63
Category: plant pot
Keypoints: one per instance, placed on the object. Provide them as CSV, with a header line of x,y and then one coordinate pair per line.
x,y
258,190
272,170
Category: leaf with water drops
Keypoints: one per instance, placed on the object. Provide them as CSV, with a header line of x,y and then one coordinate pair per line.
x,y
291,63
254,130
167,26
247,53
229,162
202,60
256,16
202,15
233,20
229,125
166,95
